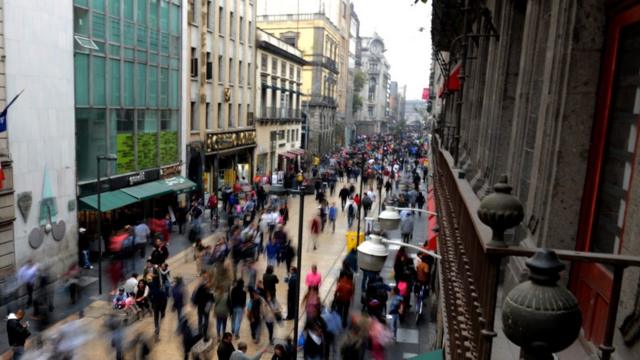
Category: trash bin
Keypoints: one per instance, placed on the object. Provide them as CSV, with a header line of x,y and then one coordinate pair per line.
x,y
351,240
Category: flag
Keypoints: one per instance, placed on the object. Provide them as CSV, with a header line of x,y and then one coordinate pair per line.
x,y
1,177
425,94
3,114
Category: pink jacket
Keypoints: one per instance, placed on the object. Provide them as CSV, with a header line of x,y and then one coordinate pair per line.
x,y
313,279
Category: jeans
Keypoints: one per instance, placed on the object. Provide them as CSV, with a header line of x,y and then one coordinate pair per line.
x,y
394,324
18,351
221,325
203,324
85,259
333,225
270,329
255,330
238,312
158,314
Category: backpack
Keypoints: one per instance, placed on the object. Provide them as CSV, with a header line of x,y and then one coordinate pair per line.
x,y
351,210
366,202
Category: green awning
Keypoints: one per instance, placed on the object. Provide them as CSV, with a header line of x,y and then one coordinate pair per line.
x,y
432,355
109,200
179,184
148,190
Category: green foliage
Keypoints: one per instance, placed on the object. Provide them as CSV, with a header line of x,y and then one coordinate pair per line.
x,y
126,159
358,81
357,103
168,147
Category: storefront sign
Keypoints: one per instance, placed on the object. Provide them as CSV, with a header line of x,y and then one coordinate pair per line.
x,y
217,142
170,170
135,179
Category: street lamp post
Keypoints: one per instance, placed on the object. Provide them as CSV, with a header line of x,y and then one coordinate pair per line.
x,y
296,319
373,253
99,158
362,164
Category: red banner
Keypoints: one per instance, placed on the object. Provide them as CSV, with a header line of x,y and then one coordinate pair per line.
x,y
425,94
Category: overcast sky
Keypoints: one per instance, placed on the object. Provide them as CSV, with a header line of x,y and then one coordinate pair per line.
x,y
408,49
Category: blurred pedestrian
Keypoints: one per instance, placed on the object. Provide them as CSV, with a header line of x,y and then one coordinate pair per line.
x,y
142,296
17,333
269,280
396,309
292,293
240,353
27,275
333,214
177,293
142,233
160,253
225,349
315,232
406,228
158,299
255,315
203,299
343,295
314,278
189,339
222,309
280,353
238,303
343,195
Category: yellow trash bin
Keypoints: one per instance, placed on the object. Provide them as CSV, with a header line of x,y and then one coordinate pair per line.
x,y
351,239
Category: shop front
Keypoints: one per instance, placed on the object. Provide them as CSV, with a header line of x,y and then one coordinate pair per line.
x,y
228,159
128,199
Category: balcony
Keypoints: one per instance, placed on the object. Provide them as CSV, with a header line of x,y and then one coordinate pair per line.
x,y
268,114
325,62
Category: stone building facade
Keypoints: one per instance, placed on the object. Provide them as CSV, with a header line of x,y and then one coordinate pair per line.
x,y
374,115
551,101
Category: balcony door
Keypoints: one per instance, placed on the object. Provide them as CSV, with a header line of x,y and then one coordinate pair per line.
x,y
611,169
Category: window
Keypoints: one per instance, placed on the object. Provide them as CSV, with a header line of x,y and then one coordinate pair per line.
x,y
288,135
128,83
290,38
194,62
209,66
210,16
298,74
232,28
250,33
291,71
220,116
194,117
231,70
249,77
370,112
220,69
239,114
81,64
147,138
283,69
208,116
230,116
274,66
91,140
81,21
240,76
264,59
241,23
191,11
221,20
169,143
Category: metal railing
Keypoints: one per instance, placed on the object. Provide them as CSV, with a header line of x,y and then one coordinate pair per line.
x,y
277,113
470,267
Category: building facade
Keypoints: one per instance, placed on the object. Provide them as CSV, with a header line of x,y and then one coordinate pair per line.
x,y
278,105
374,115
219,97
317,38
552,104
37,148
355,64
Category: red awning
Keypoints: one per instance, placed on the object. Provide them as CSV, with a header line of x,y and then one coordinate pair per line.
x,y
288,155
453,81
297,152
432,222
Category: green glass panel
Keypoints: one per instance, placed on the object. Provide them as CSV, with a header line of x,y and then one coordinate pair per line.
x,y
90,141
141,55
84,3
152,94
81,64
128,83
141,84
164,61
81,21
175,20
141,13
174,86
114,50
129,33
114,30
129,54
164,87
164,16
174,46
114,82
153,58
98,26
98,80
114,7
147,139
153,41
128,9
153,14
164,44
97,5
174,63
141,39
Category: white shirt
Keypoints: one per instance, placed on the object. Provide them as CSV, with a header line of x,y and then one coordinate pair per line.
x,y
130,285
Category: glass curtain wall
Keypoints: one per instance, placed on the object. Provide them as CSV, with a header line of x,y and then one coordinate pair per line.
x,y
127,83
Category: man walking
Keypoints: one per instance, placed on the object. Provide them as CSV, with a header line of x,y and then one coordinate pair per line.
x,y
333,213
142,233
203,299
344,195
17,333
292,293
406,228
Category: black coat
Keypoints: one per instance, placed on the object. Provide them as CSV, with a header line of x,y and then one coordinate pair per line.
x,y
17,333
225,350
